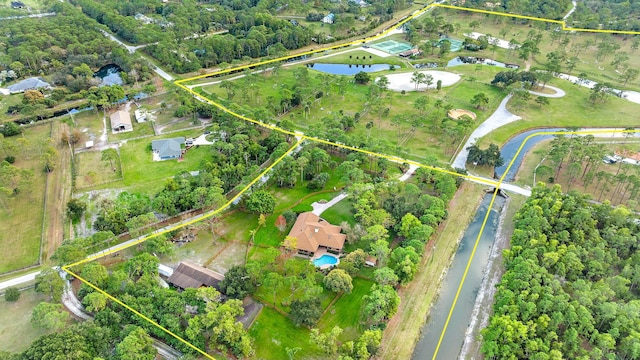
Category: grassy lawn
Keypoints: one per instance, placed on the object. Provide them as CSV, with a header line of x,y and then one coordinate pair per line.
x,y
16,331
360,57
345,312
91,124
5,103
274,333
21,215
403,330
342,211
574,109
142,174
356,100
143,129
600,71
92,170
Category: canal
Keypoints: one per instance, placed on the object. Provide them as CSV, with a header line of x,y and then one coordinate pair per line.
x,y
455,333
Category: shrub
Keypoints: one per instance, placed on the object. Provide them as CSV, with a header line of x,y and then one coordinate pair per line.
x,y
12,294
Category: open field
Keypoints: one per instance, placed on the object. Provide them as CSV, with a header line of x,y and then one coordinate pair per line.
x,y
345,312
356,100
142,174
21,216
574,109
91,169
16,331
274,333
417,297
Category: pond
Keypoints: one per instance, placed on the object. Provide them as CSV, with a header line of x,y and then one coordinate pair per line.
x,y
350,69
454,336
110,75
467,60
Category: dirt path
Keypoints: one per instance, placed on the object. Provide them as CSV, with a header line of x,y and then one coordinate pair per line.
x,y
403,330
58,194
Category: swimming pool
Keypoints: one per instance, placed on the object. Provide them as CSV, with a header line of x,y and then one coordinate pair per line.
x,y
325,260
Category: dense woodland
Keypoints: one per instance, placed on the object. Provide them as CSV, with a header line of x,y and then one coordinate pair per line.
x,y
607,14
570,286
183,31
549,9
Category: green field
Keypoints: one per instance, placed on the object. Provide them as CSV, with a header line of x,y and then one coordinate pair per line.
x,y
92,170
356,99
21,215
16,331
345,312
574,109
142,174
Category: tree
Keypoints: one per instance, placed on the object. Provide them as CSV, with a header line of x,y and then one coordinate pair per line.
x,y
362,78
138,345
542,100
380,304
32,97
328,342
50,316
385,276
261,202
12,294
236,283
109,155
380,249
75,208
417,78
306,312
338,281
480,100
49,282
629,75
600,93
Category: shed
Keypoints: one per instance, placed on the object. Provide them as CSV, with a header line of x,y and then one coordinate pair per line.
x,y
166,149
329,19
371,261
88,144
17,5
121,121
190,275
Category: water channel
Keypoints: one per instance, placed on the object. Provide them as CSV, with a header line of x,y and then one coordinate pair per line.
x,y
454,336
349,69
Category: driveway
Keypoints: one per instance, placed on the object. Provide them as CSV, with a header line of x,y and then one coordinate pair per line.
x,y
499,118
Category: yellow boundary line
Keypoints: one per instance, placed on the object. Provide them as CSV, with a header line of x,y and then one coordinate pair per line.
x,y
497,184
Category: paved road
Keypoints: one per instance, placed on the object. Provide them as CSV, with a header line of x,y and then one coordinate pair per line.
x,y
559,92
574,3
20,280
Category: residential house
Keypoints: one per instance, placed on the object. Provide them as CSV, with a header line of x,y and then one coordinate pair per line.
x,y
189,275
166,149
121,121
28,84
329,19
313,233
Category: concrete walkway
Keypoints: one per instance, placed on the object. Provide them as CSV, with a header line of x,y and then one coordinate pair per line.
x,y
18,281
559,92
499,118
574,3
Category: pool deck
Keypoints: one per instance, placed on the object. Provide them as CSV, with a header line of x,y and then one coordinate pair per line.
x,y
318,254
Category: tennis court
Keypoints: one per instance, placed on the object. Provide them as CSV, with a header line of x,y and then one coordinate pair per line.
x,y
456,45
392,46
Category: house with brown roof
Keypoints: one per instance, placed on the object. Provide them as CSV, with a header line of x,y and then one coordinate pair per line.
x,y
313,233
190,275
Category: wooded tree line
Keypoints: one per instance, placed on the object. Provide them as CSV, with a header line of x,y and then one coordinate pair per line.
x,y
583,160
198,315
548,9
570,286
66,46
607,14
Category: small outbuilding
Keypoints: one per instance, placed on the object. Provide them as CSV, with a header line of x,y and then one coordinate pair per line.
x,y
371,261
409,53
166,149
121,121
18,5
189,275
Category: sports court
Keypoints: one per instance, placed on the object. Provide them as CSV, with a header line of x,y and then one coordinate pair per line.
x,y
456,45
392,46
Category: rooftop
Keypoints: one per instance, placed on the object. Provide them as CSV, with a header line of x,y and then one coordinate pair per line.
x,y
191,275
312,232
